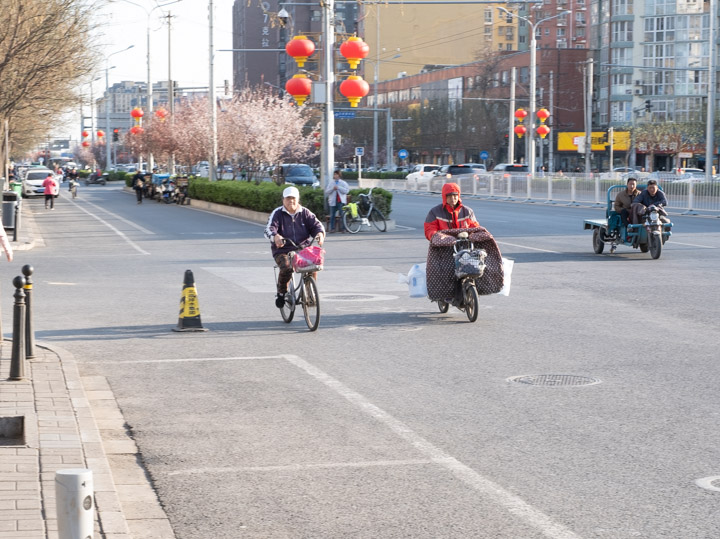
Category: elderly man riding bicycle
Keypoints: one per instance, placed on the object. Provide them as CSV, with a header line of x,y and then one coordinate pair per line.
x,y
296,223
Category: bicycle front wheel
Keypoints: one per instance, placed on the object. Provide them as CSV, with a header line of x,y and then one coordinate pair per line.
x,y
352,224
310,303
287,311
378,219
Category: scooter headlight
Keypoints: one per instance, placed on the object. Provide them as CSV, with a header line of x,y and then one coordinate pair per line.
x,y
654,215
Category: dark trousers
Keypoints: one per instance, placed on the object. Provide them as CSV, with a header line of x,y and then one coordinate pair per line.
x,y
138,194
51,199
285,272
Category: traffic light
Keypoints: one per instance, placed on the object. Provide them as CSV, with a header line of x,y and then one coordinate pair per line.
x,y
648,105
506,139
116,134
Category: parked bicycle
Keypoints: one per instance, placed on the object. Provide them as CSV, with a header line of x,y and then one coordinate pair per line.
x,y
302,288
364,212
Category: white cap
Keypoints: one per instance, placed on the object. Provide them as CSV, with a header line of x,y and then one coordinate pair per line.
x,y
291,192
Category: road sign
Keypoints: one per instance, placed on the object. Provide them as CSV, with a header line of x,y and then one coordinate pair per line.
x,y
484,155
359,151
403,154
344,113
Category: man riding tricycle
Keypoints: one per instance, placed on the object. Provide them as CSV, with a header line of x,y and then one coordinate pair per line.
x,y
634,218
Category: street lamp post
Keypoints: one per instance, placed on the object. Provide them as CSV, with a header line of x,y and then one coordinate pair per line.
x,y
108,161
533,79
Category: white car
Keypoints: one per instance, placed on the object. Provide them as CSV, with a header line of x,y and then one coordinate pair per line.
x,y
420,175
33,182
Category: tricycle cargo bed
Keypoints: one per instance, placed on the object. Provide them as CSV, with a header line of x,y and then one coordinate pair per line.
x,y
595,223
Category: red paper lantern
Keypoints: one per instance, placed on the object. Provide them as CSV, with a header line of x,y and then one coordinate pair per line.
x,y
85,134
543,131
299,87
520,130
100,133
300,47
354,50
137,113
85,143
354,88
543,114
136,130
161,113
520,114
317,144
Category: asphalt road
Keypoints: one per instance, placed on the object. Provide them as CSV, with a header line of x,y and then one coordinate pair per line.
x,y
393,420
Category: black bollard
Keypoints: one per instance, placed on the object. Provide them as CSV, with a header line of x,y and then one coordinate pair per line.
x,y
27,270
17,362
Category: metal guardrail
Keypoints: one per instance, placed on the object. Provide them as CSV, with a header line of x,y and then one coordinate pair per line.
x,y
572,188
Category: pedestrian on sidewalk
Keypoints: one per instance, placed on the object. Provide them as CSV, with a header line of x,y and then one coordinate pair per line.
x,y
51,189
5,244
138,185
336,193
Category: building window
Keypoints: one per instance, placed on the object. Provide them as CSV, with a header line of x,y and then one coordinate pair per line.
x,y
622,31
488,15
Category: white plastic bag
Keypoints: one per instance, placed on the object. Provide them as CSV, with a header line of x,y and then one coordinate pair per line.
x,y
507,271
416,281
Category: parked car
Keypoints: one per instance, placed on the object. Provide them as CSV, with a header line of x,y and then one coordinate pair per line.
x,y
32,184
512,168
420,175
297,174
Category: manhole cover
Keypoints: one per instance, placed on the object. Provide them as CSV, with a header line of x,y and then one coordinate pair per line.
x,y
554,380
709,483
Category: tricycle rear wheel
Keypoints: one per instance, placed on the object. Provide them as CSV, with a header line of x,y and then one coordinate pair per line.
x,y
598,243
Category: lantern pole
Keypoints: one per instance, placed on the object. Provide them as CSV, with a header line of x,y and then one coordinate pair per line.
x,y
213,160
327,157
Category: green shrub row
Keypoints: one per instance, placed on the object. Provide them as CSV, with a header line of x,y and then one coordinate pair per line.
x,y
267,196
375,175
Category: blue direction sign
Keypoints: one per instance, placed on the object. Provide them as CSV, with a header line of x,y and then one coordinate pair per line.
x,y
484,155
403,154
344,113
359,151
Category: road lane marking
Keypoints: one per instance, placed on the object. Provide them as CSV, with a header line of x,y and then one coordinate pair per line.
x,y
693,245
183,360
126,221
303,467
526,247
119,233
467,475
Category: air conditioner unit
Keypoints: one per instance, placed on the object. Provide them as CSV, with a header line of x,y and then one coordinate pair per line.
x,y
638,82
628,92
638,91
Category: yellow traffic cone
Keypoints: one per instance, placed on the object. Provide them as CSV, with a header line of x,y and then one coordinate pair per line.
x,y
189,318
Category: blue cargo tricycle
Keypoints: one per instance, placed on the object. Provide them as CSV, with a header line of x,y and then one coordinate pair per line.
x,y
650,235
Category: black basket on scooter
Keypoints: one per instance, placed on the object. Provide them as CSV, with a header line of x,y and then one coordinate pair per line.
x,y
469,263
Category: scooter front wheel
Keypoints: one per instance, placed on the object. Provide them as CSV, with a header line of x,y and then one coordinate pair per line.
x,y
471,301
443,306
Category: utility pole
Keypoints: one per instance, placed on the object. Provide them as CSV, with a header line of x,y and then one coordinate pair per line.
x,y
588,115
511,113
213,160
171,89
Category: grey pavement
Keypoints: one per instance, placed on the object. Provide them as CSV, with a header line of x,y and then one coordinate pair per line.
x,y
55,419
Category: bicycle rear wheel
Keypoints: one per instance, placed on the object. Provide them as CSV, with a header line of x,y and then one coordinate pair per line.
x,y
378,219
352,224
310,303
287,311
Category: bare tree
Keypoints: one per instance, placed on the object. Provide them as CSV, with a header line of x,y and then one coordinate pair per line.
x,y
40,65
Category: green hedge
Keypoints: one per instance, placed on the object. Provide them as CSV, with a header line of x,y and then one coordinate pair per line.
x,y
267,196
375,175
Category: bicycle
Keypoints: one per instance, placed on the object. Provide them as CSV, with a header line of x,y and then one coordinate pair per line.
x,y
305,262
355,215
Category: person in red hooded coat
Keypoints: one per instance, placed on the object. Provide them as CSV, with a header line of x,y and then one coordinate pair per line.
x,y
450,214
